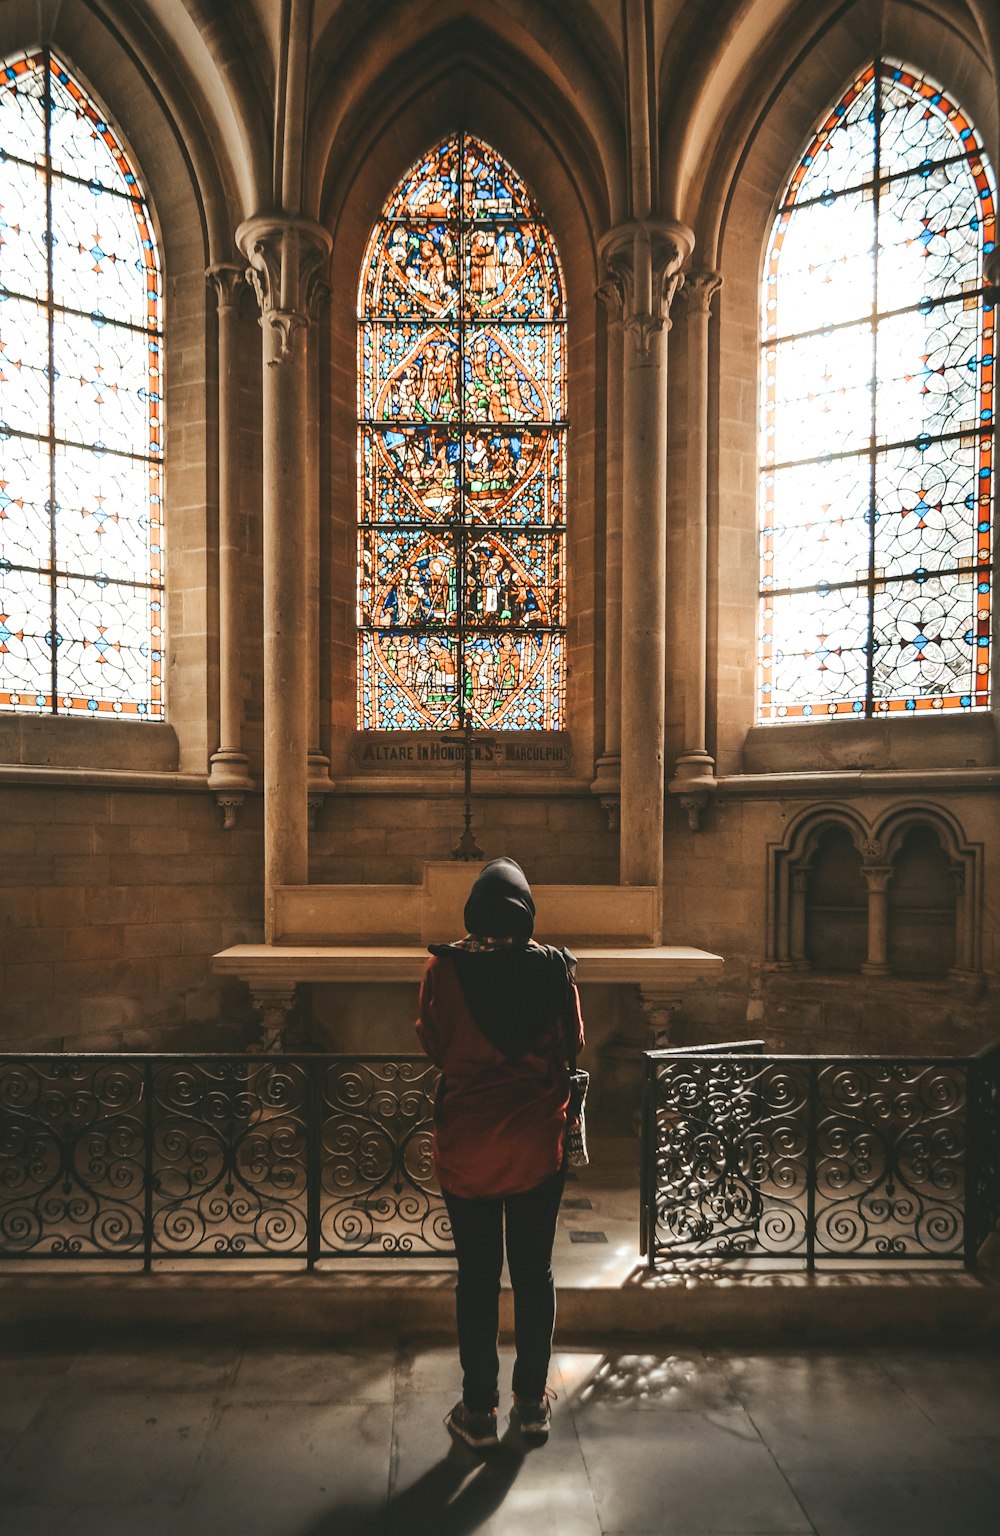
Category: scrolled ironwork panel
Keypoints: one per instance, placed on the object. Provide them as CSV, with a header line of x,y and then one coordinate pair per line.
x,y
378,1193
890,1159
730,1157
72,1149
229,1157
985,1126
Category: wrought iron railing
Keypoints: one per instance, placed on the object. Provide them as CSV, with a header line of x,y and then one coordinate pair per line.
x,y
857,1158
218,1157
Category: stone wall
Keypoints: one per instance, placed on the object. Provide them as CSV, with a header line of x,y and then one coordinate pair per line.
x,y
113,904
717,897
116,898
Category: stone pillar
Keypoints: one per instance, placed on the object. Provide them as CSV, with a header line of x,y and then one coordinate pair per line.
x,y
694,775
274,1004
286,256
966,966
877,877
607,780
320,782
798,886
229,773
643,258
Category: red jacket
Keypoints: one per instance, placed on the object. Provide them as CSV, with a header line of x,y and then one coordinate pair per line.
x,y
498,1124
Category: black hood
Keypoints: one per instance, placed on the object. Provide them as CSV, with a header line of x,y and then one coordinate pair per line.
x,y
500,904
515,993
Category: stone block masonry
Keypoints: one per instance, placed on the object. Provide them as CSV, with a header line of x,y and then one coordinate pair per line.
x,y
114,904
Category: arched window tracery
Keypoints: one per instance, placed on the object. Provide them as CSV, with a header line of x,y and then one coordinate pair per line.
x,y
462,453
81,545
877,413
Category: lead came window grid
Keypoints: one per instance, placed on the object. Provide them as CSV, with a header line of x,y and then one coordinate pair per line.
x,y
462,453
877,413
81,459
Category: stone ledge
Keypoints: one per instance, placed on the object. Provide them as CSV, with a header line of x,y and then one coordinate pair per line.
x,y
590,915
75,741
776,1305
854,781
266,965
446,784
900,740
37,776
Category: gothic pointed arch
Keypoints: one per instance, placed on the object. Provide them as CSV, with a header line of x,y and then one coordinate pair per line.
x,y
876,405
460,94
81,399
462,442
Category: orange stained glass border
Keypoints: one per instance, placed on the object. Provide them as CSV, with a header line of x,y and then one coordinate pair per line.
x,y
971,152
154,709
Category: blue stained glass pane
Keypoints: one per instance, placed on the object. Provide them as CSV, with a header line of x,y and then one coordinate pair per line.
x,y
23,253
101,389
922,498
103,517
81,405
98,260
24,371
25,650
106,651
25,488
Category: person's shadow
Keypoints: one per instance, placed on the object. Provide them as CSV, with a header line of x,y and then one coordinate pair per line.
x,y
452,1498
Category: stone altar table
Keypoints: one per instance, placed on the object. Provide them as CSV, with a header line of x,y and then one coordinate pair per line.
x,y
365,935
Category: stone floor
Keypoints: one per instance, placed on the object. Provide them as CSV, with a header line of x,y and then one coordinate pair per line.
x,y
179,1435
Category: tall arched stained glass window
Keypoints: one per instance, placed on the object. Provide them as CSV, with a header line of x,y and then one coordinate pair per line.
x,y
877,412
462,453
81,549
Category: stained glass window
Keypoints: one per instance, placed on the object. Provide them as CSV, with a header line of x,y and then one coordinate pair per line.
x,y
877,412
462,453
81,548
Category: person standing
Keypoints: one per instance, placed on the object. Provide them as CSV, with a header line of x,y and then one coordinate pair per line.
x,y
494,1011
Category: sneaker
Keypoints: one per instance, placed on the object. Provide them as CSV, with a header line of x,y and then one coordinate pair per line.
x,y
477,1427
534,1415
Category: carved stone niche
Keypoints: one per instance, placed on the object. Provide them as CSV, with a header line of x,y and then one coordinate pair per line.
x,y
879,847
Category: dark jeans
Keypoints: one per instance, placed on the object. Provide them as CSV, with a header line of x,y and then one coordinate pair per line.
x,y
478,1226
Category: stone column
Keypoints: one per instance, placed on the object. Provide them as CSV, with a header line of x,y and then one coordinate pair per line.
x,y
285,255
229,766
643,258
967,963
798,885
320,782
694,775
607,780
877,877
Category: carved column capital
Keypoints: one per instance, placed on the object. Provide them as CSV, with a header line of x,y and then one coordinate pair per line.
x,y
227,279
609,294
274,1005
287,258
699,290
642,260
659,1008
877,876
